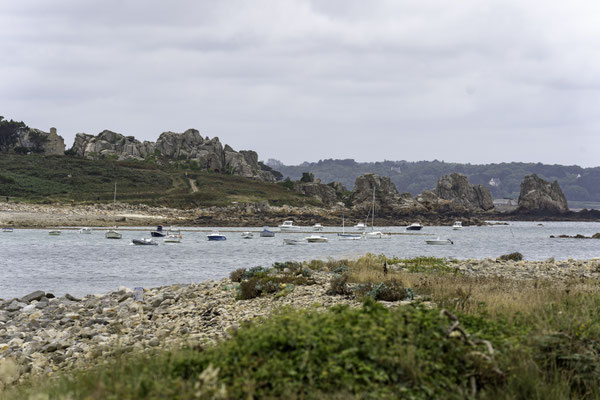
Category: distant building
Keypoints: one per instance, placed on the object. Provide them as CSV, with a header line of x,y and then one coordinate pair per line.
x,y
495,182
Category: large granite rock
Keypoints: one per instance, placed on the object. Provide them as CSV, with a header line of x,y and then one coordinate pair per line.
x,y
324,193
386,194
111,144
456,188
41,142
538,195
208,154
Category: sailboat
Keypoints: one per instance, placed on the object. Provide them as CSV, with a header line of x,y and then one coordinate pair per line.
x,y
375,234
347,236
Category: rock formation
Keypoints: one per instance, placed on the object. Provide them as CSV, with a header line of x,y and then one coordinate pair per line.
x,y
538,195
456,188
38,141
387,197
309,186
207,154
109,143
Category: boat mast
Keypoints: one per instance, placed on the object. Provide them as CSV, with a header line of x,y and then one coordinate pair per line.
x,y
373,213
115,197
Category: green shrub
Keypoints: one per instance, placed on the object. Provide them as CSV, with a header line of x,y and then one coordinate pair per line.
x,y
338,286
516,256
236,276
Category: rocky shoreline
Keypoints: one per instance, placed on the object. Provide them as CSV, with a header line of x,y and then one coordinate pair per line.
x,y
41,334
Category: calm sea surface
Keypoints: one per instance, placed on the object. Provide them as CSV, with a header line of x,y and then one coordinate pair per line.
x,y
80,264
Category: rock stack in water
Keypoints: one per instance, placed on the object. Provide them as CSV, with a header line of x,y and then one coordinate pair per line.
x,y
540,196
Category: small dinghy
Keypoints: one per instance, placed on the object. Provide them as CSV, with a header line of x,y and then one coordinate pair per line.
x,y
113,234
8,229
247,235
216,236
318,227
349,236
144,242
86,230
439,241
457,225
414,227
54,232
293,242
267,233
316,239
172,239
378,235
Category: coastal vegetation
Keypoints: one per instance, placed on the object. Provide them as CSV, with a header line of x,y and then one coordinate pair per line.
x,y
60,179
463,336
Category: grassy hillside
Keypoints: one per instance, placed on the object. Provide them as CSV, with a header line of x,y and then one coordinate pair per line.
x,y
44,179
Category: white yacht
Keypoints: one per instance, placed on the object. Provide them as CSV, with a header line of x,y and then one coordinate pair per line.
x,y
439,241
317,227
287,226
414,227
360,226
457,225
54,232
86,230
247,235
172,239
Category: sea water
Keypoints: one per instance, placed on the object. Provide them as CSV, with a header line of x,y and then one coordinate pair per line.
x,y
80,264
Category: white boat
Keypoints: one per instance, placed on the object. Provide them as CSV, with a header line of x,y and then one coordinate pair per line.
x,y
457,225
316,239
144,242
287,226
54,232
215,236
348,236
112,234
173,231
8,229
293,241
360,226
172,239
377,235
414,227
317,227
86,230
439,241
247,235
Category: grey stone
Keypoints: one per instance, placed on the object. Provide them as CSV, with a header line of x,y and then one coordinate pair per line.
x,y
37,295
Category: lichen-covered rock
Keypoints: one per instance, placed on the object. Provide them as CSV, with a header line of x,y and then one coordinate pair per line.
x,y
456,188
538,195
208,154
386,194
324,193
41,142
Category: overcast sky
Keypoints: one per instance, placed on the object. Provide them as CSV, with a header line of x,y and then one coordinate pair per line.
x,y
464,81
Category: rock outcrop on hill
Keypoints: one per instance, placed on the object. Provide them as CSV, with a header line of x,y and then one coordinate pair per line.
x,y
387,197
208,154
309,186
38,141
538,195
456,188
108,143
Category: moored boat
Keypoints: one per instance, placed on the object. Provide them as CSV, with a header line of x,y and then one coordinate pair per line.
x,y
317,227
216,237
349,236
7,229
113,234
414,227
247,235
266,232
287,226
316,239
439,241
293,241
158,232
457,225
54,232
172,239
86,230
144,242
360,226
378,235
